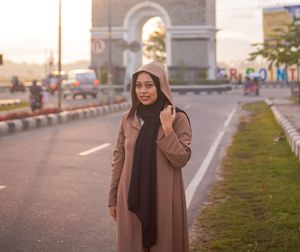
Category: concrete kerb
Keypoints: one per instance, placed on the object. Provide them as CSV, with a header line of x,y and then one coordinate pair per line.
x,y
80,114
291,137
52,119
9,102
106,109
28,123
296,141
286,123
94,111
291,133
115,107
41,121
3,128
17,125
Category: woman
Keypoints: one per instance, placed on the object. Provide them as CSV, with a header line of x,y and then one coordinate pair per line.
x,y
146,195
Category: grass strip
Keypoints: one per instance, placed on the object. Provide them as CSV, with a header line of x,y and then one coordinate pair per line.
x,y
17,106
256,204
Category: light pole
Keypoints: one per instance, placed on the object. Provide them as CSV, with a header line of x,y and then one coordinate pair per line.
x,y
109,48
59,56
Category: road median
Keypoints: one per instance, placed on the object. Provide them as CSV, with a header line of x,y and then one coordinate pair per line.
x,y
256,204
38,121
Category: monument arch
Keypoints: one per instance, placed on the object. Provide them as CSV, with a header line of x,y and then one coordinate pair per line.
x,y
190,34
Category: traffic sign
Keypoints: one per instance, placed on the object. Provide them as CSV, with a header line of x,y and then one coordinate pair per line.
x,y
98,45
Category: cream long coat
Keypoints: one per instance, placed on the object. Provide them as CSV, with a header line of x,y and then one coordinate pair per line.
x,y
173,153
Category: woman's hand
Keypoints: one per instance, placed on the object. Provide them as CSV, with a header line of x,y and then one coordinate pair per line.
x,y
167,117
113,212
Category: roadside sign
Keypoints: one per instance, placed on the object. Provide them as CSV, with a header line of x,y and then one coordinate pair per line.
x,y
98,45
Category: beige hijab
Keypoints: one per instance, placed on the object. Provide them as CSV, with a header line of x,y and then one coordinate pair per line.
x,y
158,70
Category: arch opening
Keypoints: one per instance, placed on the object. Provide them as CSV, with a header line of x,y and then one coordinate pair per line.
x,y
154,40
134,22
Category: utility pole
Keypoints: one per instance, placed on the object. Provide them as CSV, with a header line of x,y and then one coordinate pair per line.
x,y
59,57
109,48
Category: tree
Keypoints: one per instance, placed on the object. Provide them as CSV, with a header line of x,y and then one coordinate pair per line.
x,y
282,48
155,45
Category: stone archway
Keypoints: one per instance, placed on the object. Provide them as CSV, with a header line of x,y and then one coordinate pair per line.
x,y
133,23
190,34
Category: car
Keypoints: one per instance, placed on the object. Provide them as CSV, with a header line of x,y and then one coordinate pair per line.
x,y
81,82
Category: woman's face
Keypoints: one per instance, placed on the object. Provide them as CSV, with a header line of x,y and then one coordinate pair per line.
x,y
145,89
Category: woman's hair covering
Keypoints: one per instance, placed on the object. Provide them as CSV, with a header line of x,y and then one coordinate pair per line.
x,y
154,69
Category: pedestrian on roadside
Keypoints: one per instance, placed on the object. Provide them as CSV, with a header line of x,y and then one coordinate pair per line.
x,y
146,196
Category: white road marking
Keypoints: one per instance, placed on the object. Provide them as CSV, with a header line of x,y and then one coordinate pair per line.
x,y
2,187
85,153
192,187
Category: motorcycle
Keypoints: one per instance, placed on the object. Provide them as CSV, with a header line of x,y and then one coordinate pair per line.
x,y
252,85
36,102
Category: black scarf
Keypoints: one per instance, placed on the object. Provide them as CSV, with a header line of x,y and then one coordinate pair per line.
x,y
142,191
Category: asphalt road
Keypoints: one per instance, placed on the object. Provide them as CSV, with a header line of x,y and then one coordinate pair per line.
x,y
54,199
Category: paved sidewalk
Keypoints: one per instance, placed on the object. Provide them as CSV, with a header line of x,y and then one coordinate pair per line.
x,y
291,112
287,114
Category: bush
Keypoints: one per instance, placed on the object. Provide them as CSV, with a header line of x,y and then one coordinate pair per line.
x,y
46,111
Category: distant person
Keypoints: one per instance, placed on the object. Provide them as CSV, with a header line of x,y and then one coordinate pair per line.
x,y
36,96
35,89
16,84
147,196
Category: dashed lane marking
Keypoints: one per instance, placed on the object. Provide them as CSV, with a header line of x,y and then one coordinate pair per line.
x,y
2,187
90,151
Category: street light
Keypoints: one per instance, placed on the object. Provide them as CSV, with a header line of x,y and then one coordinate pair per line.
x,y
59,55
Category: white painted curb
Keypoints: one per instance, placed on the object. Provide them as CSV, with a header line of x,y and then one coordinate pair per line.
x,y
52,119
63,116
43,120
18,125
31,123
3,128
292,135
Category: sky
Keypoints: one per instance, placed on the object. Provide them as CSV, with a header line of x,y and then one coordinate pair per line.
x,y
28,28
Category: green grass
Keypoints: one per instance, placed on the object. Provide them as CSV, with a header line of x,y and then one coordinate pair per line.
x,y
256,206
12,107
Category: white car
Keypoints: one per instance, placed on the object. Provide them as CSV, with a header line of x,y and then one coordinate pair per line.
x,y
81,82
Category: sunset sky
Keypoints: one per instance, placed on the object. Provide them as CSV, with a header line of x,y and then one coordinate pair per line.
x,y
29,28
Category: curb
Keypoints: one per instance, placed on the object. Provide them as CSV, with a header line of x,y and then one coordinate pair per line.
x,y
292,135
9,102
19,125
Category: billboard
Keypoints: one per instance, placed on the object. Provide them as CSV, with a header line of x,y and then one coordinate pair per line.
x,y
277,17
